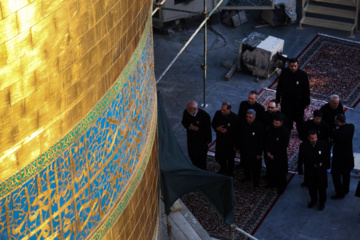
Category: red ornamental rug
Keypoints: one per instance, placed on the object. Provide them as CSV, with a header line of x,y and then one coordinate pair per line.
x,y
333,67
252,205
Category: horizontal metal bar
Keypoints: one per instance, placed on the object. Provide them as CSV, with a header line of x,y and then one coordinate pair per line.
x,y
179,10
247,8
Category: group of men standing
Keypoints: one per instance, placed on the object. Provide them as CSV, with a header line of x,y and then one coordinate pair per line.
x,y
252,133
256,133
328,129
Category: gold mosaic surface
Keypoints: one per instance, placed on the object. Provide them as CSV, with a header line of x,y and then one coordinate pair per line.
x,y
72,176
71,196
57,60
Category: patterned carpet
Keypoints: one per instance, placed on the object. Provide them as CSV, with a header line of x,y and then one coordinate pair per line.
x,y
333,68
252,206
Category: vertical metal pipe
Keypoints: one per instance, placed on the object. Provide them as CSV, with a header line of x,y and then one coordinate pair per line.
x,y
168,226
205,53
188,42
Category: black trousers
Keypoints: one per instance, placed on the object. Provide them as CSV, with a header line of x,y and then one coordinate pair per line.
x,y
299,123
277,177
279,180
294,115
226,161
198,156
341,180
252,168
314,191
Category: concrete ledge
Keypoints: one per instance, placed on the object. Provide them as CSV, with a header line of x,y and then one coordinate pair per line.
x,y
357,161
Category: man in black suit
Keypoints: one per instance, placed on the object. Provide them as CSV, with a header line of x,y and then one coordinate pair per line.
x,y
251,104
226,125
343,155
197,124
293,93
275,151
272,110
321,127
314,154
330,109
251,146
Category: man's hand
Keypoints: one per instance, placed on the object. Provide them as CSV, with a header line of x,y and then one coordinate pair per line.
x,y
316,166
221,129
270,156
194,128
258,157
301,176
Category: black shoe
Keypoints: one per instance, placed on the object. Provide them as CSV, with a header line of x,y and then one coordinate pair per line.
x,y
311,204
303,184
337,196
321,206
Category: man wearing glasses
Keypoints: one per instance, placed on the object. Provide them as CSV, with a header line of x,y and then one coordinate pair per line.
x,y
272,110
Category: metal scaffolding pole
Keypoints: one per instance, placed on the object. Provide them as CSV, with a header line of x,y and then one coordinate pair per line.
x,y
234,227
204,66
158,6
190,39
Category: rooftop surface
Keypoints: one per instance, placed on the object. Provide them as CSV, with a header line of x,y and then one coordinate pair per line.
x,y
289,218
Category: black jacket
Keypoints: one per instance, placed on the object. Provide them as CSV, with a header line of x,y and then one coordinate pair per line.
x,y
329,114
276,143
312,157
322,129
293,90
251,138
201,138
225,142
343,155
